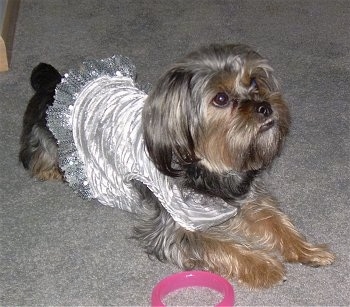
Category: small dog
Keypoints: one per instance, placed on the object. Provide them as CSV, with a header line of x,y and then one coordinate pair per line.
x,y
211,126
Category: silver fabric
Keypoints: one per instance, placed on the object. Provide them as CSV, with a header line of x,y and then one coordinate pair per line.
x,y
96,119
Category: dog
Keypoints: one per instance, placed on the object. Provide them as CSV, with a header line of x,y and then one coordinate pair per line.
x,y
210,127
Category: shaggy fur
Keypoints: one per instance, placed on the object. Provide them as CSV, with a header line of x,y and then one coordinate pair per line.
x,y
214,121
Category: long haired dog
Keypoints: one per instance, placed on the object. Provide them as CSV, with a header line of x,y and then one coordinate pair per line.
x,y
212,124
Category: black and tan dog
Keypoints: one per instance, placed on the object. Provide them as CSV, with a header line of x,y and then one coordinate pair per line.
x,y
214,121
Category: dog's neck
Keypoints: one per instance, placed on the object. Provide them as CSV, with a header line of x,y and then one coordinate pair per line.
x,y
229,186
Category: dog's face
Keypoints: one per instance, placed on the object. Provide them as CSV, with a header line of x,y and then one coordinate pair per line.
x,y
220,107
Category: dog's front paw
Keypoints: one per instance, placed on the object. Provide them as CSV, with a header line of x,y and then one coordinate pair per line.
x,y
320,258
312,255
258,272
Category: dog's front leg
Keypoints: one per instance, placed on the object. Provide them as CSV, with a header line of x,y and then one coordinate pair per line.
x,y
254,268
215,250
263,223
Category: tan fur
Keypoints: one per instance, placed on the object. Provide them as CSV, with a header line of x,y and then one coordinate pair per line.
x,y
268,233
254,268
44,167
264,223
51,174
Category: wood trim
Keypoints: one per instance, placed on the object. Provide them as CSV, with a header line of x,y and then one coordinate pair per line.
x,y
7,27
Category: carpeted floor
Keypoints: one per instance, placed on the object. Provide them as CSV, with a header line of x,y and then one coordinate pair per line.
x,y
57,249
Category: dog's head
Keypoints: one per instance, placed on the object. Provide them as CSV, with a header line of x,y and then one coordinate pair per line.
x,y
220,107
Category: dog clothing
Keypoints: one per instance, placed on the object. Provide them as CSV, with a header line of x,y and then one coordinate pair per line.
x,y
96,119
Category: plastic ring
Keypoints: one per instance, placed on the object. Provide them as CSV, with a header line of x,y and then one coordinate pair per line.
x,y
193,279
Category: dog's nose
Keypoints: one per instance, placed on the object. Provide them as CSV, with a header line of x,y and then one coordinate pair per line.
x,y
264,108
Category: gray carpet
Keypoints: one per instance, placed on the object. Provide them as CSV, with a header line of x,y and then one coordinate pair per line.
x,y
57,249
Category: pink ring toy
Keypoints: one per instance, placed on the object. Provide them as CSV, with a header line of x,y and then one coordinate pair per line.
x,y
193,279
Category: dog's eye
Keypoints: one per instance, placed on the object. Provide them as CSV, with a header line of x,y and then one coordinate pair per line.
x,y
221,100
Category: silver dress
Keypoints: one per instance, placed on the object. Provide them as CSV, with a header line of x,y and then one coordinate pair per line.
x,y
96,120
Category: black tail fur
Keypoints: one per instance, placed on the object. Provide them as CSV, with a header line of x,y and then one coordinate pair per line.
x,y
38,146
44,78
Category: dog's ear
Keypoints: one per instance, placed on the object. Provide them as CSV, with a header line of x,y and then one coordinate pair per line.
x,y
168,122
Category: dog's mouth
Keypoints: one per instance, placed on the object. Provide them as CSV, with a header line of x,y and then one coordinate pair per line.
x,y
267,125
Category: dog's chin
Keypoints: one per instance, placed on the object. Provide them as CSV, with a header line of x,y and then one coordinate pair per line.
x,y
263,148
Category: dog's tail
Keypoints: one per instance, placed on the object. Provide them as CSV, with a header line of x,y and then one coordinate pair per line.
x,y
38,151
44,78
